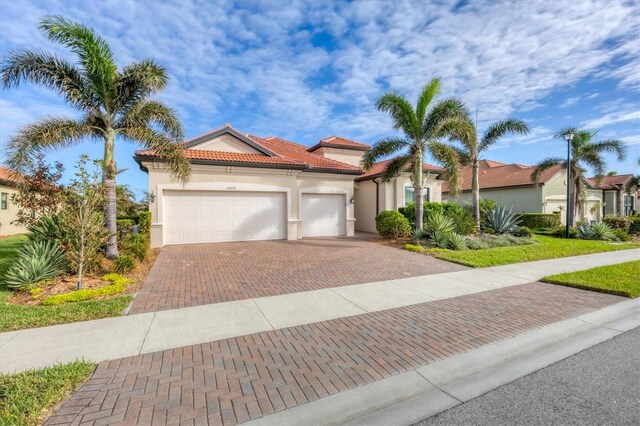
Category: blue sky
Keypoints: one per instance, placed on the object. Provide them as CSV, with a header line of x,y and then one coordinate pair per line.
x,y
306,70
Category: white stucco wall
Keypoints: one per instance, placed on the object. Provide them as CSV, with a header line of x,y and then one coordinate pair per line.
x,y
225,178
348,156
9,215
227,143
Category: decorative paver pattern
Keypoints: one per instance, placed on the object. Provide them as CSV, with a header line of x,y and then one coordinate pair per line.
x,y
200,274
234,380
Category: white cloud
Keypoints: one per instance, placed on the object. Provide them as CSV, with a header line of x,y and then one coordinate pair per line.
x,y
613,118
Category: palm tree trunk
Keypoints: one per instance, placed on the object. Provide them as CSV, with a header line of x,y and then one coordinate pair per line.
x,y
417,190
475,190
109,182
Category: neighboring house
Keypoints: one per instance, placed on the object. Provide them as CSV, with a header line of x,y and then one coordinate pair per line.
x,y
8,210
374,196
243,187
511,185
615,200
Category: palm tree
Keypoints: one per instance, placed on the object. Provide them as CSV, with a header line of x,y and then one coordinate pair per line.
x,y
633,183
584,151
471,149
114,104
422,128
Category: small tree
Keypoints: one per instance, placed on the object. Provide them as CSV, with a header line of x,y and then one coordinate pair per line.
x,y
83,219
41,192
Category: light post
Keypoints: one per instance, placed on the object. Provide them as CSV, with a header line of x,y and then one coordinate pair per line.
x,y
569,137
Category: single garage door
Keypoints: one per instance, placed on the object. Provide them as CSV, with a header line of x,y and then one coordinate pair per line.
x,y
323,215
216,216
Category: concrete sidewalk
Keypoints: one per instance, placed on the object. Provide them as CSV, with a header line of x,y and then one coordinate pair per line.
x,y
113,338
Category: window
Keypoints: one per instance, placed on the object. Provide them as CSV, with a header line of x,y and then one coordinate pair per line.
x,y
628,205
3,201
409,196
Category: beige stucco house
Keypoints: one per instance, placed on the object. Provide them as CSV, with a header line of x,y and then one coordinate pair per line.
x,y
8,210
511,185
244,187
615,201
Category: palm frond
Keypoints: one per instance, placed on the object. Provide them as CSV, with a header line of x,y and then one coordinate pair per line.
x,y
612,146
138,80
501,128
52,132
544,165
401,111
396,167
460,130
427,95
593,159
167,150
149,113
381,149
93,51
49,71
448,158
632,184
560,133
440,114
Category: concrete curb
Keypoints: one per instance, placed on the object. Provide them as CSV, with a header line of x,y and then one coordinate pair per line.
x,y
414,395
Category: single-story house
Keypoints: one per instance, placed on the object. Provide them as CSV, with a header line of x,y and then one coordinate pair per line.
x,y
244,187
8,210
511,185
615,200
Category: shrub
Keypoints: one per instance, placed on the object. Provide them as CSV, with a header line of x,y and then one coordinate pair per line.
x,y
439,239
540,220
414,248
463,222
523,231
37,261
144,225
502,220
136,245
596,231
418,235
438,222
487,241
456,242
125,228
621,235
634,224
118,285
124,263
617,222
428,208
392,224
486,206
47,228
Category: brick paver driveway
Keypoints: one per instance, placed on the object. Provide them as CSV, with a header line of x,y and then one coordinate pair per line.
x,y
233,380
199,274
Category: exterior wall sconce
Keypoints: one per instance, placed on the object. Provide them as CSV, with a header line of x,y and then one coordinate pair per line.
x,y
352,200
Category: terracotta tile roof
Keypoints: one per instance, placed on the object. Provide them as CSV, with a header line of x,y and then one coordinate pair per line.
x,y
610,182
299,152
338,142
379,168
7,176
501,176
231,157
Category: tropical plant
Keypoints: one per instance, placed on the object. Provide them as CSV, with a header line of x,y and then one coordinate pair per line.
x,y
633,184
37,261
83,221
617,222
137,246
438,222
391,224
502,220
456,241
596,231
470,148
48,228
40,191
124,263
585,151
440,239
463,222
422,130
418,235
114,104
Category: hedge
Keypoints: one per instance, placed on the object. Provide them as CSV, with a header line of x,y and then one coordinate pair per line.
x,y
144,223
118,285
540,220
428,206
391,224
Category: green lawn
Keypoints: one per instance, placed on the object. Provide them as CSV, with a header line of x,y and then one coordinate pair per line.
x,y
17,317
26,398
545,248
622,279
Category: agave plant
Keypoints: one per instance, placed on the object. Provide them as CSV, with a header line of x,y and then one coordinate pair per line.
x,y
37,261
47,228
502,220
438,222
596,231
439,239
456,242
418,235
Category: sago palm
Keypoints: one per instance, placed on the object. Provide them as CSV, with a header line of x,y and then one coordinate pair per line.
x,y
423,127
114,105
585,151
472,147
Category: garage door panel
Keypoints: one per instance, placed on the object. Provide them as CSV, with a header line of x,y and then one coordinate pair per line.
x,y
215,216
323,215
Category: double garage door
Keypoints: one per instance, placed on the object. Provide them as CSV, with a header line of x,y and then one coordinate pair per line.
x,y
219,216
